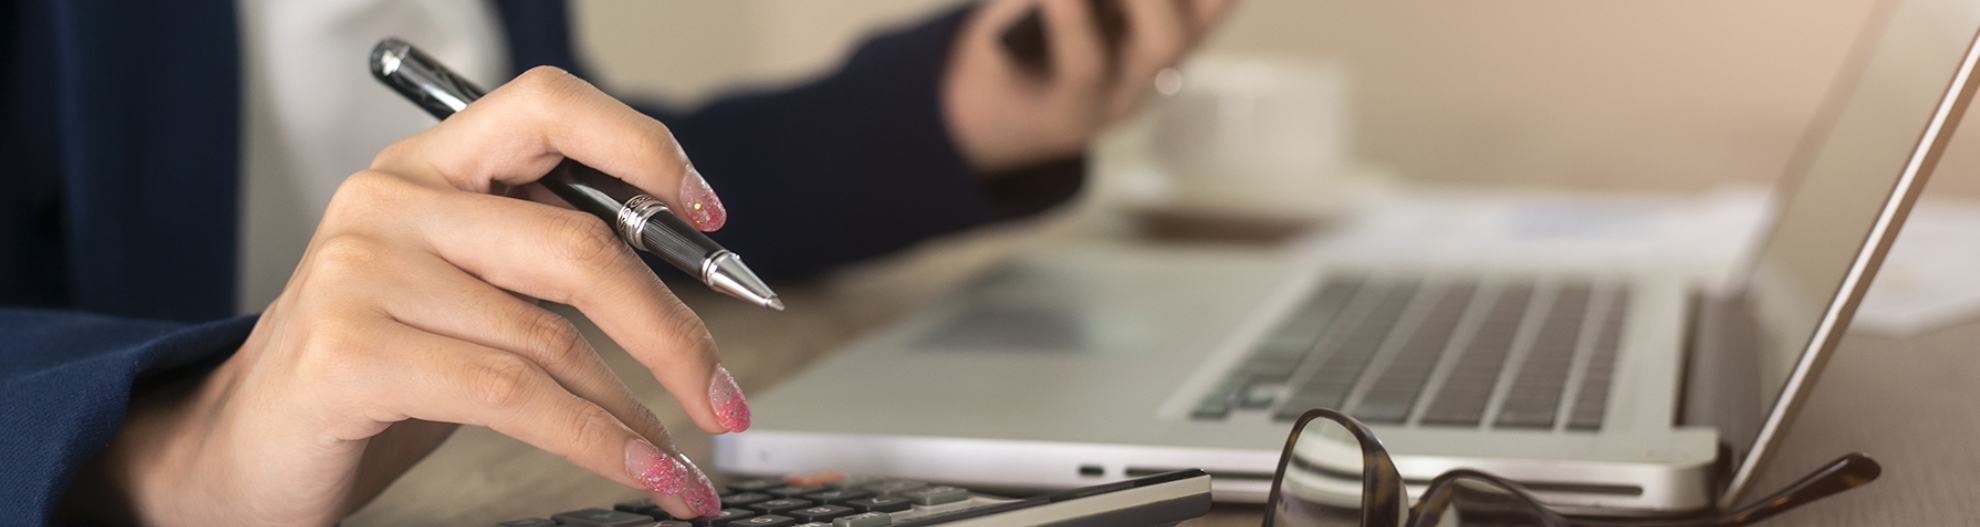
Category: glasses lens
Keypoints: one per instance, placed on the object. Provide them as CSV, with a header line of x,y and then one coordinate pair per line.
x,y
1322,485
1471,501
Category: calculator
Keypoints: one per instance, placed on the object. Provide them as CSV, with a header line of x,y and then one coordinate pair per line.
x,y
862,501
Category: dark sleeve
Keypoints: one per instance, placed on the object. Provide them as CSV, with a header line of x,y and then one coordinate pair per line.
x,y
66,378
853,164
856,163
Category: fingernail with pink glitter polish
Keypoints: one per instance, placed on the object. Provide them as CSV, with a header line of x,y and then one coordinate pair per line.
x,y
671,475
655,470
699,201
701,496
727,400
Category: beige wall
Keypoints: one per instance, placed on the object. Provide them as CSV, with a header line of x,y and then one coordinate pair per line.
x,y
687,50
1657,94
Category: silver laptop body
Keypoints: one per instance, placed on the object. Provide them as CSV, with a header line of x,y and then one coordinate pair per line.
x,y
1605,393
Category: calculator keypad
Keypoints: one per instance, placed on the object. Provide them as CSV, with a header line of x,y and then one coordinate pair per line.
x,y
852,501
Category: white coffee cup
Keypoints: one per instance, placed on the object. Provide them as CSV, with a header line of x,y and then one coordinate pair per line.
x,y
1257,137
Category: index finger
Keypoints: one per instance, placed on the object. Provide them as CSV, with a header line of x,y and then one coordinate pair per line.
x,y
522,129
569,257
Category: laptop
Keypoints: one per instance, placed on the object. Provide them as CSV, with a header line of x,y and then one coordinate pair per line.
x,y
1617,392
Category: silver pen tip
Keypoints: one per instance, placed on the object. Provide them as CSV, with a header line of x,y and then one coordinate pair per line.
x,y
725,272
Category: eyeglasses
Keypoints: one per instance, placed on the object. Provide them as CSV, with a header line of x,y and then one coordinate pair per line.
x,y
1316,484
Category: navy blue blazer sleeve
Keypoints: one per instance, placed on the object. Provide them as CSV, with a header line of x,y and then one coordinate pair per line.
x,y
66,378
853,164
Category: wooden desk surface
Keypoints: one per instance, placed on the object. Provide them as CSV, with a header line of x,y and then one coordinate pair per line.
x,y
1911,403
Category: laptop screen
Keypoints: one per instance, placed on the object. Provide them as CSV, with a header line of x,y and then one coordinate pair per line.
x,y
1852,181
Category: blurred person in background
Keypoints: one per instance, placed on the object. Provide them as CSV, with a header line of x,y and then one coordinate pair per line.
x,y
133,397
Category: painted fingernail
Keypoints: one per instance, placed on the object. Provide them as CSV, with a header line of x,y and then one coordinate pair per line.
x,y
671,475
655,470
701,496
703,208
727,400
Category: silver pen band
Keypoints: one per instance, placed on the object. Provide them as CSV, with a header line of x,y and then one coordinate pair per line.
x,y
633,216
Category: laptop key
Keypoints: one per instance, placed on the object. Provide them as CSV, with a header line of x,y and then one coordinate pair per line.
x,y
1211,410
527,522
1297,405
1267,368
881,504
601,518
668,523
1258,396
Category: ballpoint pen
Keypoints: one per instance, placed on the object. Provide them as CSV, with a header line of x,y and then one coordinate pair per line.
x,y
640,219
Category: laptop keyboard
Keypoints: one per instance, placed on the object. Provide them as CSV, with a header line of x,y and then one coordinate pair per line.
x,y
854,501
1453,353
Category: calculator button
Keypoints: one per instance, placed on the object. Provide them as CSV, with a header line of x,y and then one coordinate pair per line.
x,y
821,513
864,519
894,486
755,485
669,523
601,518
746,498
642,506
813,524
836,496
794,491
936,495
530,522
723,519
881,504
922,511
767,520
779,506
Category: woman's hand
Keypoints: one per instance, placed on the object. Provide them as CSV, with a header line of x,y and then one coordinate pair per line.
x,y
408,315
1004,116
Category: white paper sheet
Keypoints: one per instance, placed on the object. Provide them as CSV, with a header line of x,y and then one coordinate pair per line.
x,y
1931,279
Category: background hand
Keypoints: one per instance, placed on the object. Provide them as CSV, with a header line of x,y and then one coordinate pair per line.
x,y
1005,116
401,321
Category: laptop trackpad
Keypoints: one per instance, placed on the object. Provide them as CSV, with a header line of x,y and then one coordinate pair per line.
x,y
986,327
